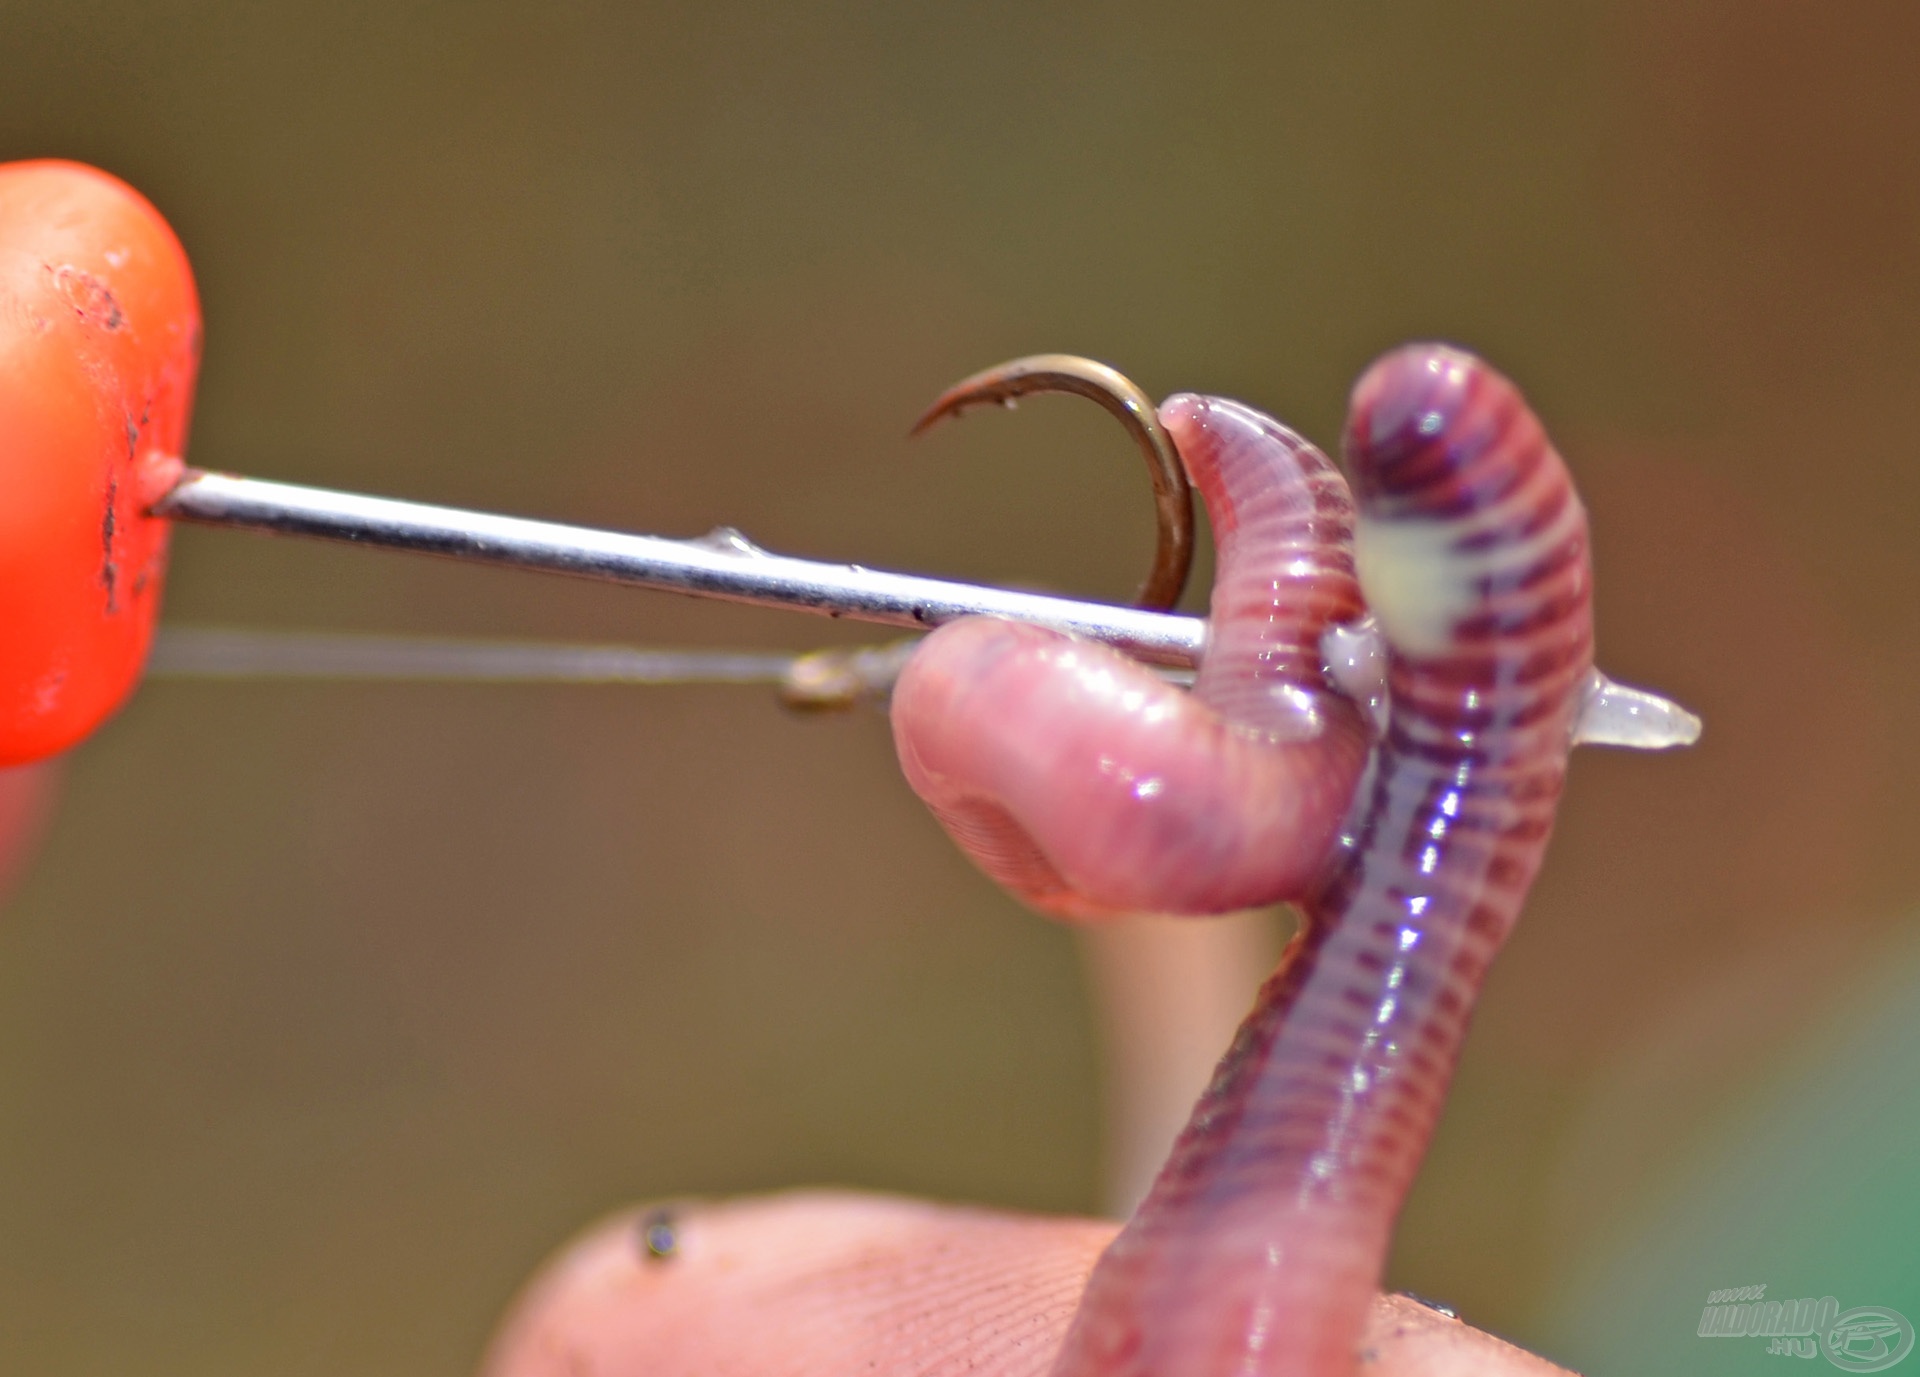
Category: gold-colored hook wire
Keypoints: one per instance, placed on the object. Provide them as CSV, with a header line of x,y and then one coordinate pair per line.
x,y
1172,496
840,678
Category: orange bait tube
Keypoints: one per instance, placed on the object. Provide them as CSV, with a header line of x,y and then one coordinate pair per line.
x,y
99,349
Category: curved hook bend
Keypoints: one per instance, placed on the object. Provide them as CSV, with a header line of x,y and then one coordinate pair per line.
x,y
1172,497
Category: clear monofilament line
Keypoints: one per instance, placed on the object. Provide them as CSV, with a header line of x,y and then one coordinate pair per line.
x,y
835,678
219,653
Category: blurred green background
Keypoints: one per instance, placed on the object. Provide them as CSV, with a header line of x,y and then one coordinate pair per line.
x,y
327,1012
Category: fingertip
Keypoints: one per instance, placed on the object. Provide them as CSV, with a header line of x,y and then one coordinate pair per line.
x,y
808,1282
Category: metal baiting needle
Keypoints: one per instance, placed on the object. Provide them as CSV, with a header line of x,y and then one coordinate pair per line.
x,y
723,564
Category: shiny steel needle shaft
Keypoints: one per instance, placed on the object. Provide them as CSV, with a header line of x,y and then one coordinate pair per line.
x,y
723,564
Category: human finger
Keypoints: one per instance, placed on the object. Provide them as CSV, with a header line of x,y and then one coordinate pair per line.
x,y
823,1282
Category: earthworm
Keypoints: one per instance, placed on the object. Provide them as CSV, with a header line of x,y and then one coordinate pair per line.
x,y
1088,785
1262,1241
